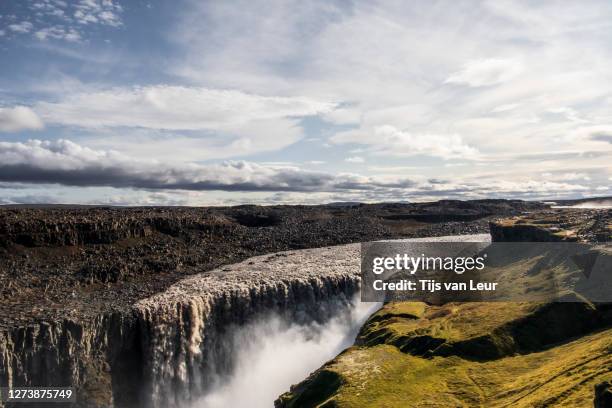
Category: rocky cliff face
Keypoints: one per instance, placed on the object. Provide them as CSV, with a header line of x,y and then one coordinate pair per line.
x,y
93,356
167,349
186,343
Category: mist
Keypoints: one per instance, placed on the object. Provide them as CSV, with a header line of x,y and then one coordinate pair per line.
x,y
594,204
272,354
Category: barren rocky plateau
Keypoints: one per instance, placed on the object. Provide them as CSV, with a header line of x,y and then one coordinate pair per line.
x,y
62,261
74,277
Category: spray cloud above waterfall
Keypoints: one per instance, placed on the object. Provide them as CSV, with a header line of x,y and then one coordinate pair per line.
x,y
271,354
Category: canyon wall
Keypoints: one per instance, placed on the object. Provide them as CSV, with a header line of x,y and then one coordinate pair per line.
x,y
167,349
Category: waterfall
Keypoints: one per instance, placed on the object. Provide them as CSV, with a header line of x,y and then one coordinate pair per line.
x,y
272,353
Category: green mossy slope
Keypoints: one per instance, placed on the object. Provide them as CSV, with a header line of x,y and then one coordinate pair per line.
x,y
467,355
563,376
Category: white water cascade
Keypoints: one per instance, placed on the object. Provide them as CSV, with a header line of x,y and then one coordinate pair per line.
x,y
271,354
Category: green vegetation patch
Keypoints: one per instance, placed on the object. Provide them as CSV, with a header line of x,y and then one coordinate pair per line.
x,y
383,376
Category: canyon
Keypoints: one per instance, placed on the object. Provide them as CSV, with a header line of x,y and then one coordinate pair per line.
x,y
134,307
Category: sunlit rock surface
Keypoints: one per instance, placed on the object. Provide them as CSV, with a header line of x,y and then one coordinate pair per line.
x,y
560,225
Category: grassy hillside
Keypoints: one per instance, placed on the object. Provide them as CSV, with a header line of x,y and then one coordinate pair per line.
x,y
410,354
551,347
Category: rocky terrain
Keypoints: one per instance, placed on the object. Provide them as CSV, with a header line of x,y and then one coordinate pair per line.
x,y
85,261
559,225
130,305
83,295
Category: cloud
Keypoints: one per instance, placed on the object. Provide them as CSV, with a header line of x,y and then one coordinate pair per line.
x,y
389,141
58,33
573,176
568,113
343,115
19,118
190,123
59,20
602,137
146,199
30,199
176,108
354,159
400,57
485,72
22,27
67,163
50,8
505,108
105,12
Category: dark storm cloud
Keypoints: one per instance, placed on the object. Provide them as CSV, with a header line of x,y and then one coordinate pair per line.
x,y
63,162
602,137
67,163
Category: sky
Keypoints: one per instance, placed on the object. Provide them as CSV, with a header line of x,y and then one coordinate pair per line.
x,y
285,102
